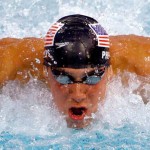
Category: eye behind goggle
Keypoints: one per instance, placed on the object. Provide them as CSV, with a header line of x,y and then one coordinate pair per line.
x,y
63,79
91,78
94,78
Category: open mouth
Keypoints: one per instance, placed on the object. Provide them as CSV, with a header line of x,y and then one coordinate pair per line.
x,y
77,113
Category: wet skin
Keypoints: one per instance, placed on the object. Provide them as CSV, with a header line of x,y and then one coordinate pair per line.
x,y
18,62
128,53
77,101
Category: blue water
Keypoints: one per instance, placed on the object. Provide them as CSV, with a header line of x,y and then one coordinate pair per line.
x,y
28,117
119,140
21,18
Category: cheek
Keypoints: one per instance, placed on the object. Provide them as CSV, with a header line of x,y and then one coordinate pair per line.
x,y
55,87
59,94
96,95
56,90
97,92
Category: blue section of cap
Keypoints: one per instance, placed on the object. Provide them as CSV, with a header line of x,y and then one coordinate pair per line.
x,y
98,29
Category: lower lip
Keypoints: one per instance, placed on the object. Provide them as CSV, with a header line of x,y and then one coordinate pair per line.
x,y
76,117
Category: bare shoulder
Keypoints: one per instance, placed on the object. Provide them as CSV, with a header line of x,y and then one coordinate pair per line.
x,y
20,58
132,53
23,58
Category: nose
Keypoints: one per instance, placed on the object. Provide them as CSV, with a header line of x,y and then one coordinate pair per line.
x,y
77,92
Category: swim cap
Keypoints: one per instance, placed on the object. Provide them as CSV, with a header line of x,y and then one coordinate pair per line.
x,y
76,41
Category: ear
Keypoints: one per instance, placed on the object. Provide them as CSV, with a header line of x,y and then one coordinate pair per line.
x,y
110,73
45,72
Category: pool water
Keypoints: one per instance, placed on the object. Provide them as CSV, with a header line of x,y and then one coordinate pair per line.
x,y
120,138
28,117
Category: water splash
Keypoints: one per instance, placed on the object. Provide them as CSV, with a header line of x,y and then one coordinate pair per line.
x,y
30,107
33,18
128,104
29,118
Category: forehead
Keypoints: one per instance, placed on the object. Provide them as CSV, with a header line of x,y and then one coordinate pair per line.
x,y
72,70
78,72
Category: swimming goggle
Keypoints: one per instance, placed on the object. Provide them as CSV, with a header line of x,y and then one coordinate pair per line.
x,y
90,78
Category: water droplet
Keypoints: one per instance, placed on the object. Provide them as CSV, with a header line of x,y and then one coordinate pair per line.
x,y
37,61
55,62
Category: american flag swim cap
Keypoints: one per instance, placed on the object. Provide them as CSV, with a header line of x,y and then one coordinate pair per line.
x,y
76,41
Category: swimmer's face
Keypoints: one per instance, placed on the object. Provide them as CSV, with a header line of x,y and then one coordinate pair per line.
x,y
77,100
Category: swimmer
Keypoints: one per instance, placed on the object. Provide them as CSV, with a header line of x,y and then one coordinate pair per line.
x,y
77,63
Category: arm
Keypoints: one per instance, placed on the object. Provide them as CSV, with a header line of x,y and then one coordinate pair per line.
x,y
131,53
21,58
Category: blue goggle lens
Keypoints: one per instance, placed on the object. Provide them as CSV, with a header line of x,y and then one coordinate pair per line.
x,y
65,78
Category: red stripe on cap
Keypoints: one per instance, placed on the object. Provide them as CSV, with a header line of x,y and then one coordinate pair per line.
x,y
103,40
49,39
104,45
52,30
56,27
103,36
49,35
48,43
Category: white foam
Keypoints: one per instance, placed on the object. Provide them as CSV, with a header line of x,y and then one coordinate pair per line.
x,y
124,104
29,109
33,18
